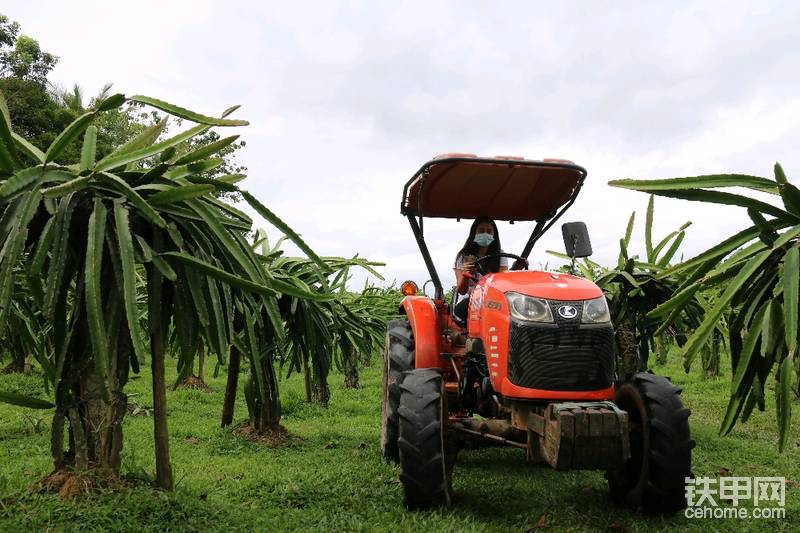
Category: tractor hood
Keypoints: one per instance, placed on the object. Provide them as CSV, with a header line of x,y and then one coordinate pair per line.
x,y
501,188
548,285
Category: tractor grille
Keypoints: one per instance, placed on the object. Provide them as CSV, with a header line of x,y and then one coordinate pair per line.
x,y
562,357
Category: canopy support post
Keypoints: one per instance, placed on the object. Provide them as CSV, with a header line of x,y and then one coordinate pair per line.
x,y
541,228
423,248
533,238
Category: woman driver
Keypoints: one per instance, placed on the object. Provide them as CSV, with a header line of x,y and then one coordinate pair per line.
x,y
482,240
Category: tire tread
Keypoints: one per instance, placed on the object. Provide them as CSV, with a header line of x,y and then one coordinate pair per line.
x,y
424,465
398,358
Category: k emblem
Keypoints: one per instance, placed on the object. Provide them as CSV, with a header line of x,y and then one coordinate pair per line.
x,y
567,311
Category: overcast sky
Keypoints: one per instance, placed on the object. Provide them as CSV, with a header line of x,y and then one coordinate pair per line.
x,y
347,99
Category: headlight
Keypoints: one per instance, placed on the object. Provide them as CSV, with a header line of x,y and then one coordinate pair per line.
x,y
595,311
528,308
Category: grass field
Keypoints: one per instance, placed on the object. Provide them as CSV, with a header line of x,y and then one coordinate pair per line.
x,y
332,478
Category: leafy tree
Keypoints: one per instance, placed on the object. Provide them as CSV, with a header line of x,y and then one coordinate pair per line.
x,y
21,56
361,332
36,115
224,148
116,126
757,273
41,111
26,334
319,332
81,235
8,31
23,80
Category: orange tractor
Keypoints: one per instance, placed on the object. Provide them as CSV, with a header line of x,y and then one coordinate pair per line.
x,y
533,364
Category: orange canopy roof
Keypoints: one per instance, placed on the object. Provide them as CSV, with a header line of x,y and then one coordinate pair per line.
x,y
502,187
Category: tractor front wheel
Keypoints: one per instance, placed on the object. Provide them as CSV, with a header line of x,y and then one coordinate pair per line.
x,y
426,455
653,478
397,358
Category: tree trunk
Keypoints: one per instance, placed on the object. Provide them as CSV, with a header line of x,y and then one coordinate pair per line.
x,y
89,397
307,380
158,299
663,349
20,361
82,445
95,423
160,430
102,423
16,366
351,378
627,347
273,403
320,391
230,388
95,418
201,362
365,359
710,356
267,403
192,380
57,439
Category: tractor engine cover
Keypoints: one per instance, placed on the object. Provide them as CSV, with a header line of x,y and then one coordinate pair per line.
x,y
563,358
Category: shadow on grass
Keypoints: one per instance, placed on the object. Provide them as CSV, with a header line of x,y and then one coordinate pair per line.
x,y
124,510
498,484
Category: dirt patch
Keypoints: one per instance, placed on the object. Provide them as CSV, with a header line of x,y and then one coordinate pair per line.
x,y
70,484
13,368
75,486
193,382
274,438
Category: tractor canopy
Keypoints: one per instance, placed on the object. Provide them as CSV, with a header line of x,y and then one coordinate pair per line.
x,y
502,187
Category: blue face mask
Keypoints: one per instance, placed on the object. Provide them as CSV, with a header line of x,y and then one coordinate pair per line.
x,y
483,239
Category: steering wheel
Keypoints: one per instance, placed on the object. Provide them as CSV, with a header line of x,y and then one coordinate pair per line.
x,y
519,261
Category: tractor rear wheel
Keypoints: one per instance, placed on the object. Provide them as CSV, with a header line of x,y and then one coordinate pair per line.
x,y
397,358
653,478
426,455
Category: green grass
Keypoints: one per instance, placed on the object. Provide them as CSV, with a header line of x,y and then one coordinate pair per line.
x,y
334,479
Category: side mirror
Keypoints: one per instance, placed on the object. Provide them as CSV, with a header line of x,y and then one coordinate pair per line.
x,y
576,239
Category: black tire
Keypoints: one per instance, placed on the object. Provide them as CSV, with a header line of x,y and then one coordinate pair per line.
x,y
653,479
398,357
426,459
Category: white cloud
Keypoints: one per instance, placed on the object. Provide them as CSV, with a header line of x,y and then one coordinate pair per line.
x,y
348,99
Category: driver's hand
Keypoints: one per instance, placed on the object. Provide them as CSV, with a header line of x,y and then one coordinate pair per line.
x,y
469,266
519,264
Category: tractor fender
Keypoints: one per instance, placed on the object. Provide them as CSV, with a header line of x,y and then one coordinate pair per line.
x,y
424,321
